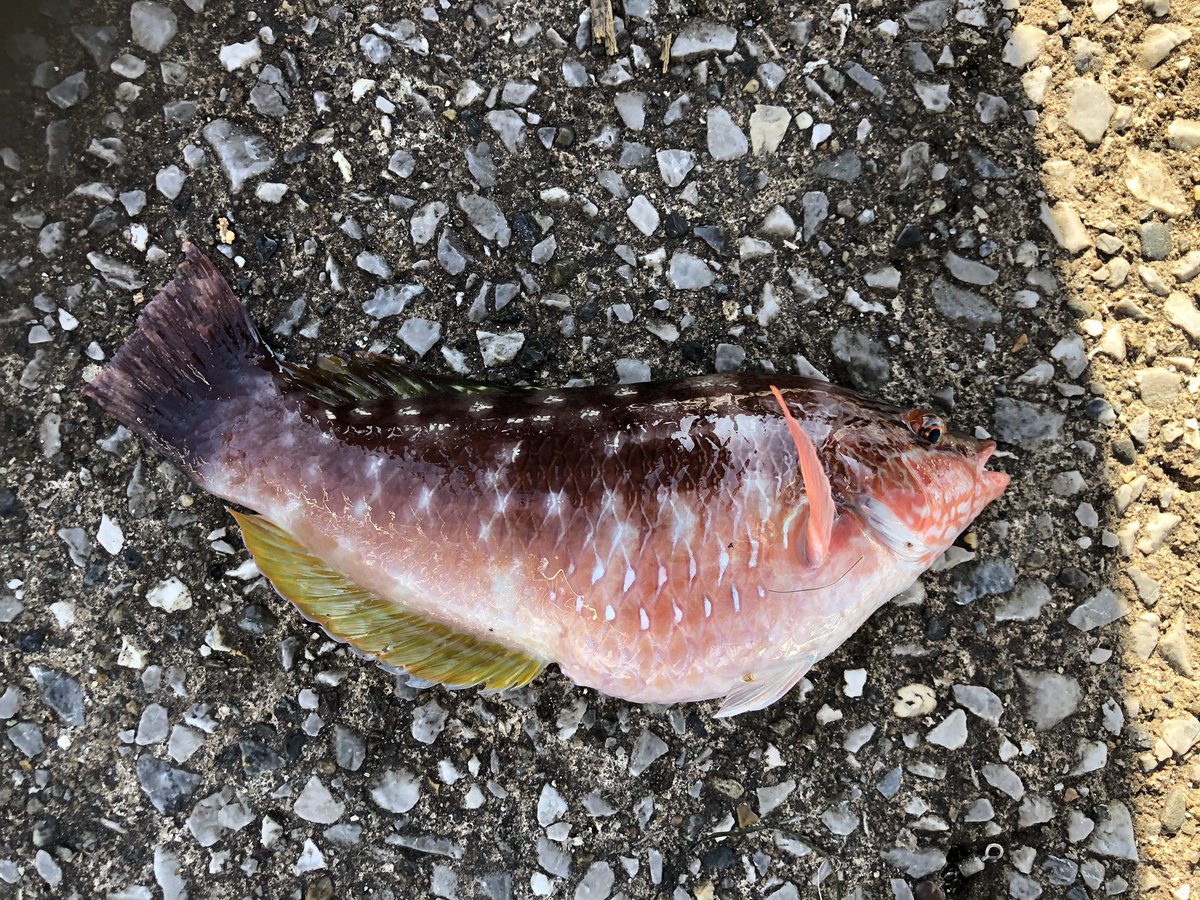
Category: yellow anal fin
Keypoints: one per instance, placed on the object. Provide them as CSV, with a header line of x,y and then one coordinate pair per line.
x,y
376,626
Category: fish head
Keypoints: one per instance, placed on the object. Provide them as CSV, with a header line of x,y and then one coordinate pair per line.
x,y
915,483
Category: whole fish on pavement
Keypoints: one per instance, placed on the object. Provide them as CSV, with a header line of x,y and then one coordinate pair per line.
x,y
666,542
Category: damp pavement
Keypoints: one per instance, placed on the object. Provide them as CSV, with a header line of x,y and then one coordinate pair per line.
x,y
985,208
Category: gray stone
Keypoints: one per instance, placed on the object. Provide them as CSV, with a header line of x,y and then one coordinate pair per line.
x,y
643,215
1049,697
980,701
486,218
726,141
397,792
934,97
165,786
1003,779
316,804
69,91
729,358
699,38
1026,424
424,223
1158,387
153,25
1156,240
27,738
152,727
915,863
673,166
1102,609
1114,834
375,48
1173,647
1157,43
271,96
498,349
242,154
510,127
1174,809
768,124
631,107
845,167
420,335
929,16
597,883
61,693
1089,109
450,253
646,749
970,271
1149,179
689,272
963,306
816,210
861,359
1182,312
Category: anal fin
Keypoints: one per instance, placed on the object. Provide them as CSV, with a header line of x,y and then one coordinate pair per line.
x,y
375,625
760,689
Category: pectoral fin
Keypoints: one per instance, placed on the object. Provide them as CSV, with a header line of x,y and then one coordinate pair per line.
x,y
760,689
375,625
819,530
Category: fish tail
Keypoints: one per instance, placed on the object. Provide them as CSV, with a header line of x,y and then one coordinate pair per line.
x,y
195,348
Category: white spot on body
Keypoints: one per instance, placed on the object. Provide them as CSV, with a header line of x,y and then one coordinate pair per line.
x,y
609,613
597,572
630,576
643,619
480,406
707,607
678,613
578,604
722,564
737,601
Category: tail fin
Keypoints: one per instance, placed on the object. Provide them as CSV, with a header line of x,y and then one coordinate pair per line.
x,y
195,347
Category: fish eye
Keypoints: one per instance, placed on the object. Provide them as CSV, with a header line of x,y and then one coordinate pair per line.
x,y
931,430
927,426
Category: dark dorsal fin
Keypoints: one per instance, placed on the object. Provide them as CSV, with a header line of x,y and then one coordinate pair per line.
x,y
371,377
379,627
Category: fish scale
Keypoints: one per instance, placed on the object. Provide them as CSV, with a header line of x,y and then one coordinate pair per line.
x,y
678,541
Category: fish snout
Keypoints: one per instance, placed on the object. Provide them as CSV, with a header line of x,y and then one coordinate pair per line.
x,y
989,484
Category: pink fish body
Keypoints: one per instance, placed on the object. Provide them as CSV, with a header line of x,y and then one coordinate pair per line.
x,y
665,542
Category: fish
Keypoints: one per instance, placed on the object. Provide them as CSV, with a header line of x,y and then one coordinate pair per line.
x,y
708,538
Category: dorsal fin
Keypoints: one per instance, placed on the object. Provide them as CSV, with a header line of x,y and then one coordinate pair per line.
x,y
371,377
376,626
819,530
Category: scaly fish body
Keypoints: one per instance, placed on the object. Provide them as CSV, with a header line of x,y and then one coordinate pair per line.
x,y
659,542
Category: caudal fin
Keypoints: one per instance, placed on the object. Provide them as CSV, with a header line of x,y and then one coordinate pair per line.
x,y
195,348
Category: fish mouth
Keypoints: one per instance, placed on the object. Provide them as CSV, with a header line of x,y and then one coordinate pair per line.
x,y
989,483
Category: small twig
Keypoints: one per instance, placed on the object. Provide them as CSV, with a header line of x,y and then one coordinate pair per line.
x,y
604,29
665,56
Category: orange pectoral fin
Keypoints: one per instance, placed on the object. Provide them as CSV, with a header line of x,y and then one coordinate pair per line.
x,y
819,530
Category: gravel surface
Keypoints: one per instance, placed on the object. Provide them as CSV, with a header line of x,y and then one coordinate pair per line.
x,y
981,207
